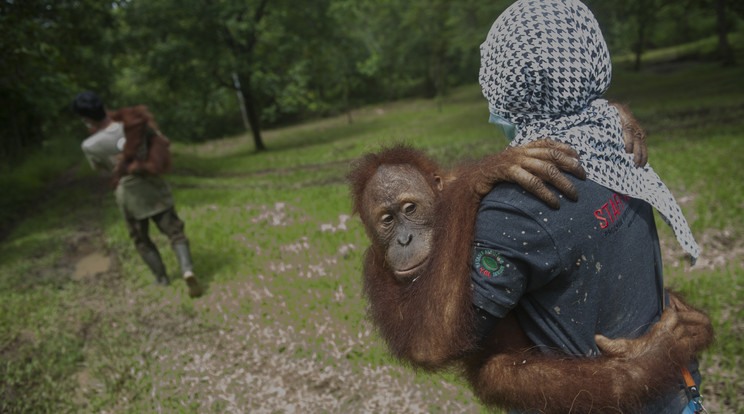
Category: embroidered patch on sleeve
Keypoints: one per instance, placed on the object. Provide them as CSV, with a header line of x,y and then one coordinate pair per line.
x,y
488,263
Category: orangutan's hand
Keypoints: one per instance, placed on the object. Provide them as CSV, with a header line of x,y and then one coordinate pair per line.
x,y
532,166
680,334
634,135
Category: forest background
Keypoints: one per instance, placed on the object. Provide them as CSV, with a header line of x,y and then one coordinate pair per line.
x,y
261,187
193,62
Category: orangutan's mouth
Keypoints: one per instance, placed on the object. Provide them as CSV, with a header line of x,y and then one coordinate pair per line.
x,y
407,274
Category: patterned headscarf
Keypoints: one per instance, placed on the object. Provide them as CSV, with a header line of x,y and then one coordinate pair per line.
x,y
544,67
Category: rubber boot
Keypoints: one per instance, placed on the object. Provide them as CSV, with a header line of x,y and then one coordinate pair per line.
x,y
184,259
155,263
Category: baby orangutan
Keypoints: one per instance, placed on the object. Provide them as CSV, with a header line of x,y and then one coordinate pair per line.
x,y
146,150
416,277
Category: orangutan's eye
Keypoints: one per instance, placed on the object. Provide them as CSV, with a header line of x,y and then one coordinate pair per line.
x,y
387,219
409,208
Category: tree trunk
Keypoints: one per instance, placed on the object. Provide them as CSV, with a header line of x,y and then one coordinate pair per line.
x,y
437,79
241,102
252,113
391,85
639,44
725,53
347,107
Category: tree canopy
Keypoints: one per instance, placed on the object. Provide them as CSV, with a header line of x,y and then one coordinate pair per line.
x,y
210,68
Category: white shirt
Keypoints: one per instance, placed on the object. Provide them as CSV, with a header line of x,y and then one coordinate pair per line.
x,y
102,147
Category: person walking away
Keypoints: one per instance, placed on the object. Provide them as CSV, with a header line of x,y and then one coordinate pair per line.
x,y
128,144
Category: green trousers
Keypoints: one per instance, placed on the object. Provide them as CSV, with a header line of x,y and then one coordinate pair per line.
x,y
170,225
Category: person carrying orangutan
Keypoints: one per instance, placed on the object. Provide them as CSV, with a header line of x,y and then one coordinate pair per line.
x,y
594,265
127,143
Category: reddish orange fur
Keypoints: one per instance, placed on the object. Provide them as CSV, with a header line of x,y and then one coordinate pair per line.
x,y
429,323
139,126
367,166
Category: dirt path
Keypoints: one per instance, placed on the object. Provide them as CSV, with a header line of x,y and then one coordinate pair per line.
x,y
214,356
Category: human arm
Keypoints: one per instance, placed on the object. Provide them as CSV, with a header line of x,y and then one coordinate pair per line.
x,y
95,162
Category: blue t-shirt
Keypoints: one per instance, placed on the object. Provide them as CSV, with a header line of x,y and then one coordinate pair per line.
x,y
591,267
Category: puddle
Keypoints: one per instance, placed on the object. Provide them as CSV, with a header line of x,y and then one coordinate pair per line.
x,y
90,265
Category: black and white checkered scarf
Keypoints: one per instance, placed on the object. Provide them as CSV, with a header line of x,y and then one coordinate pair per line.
x,y
544,68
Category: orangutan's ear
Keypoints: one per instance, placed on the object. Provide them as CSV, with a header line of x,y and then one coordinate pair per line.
x,y
439,181
443,179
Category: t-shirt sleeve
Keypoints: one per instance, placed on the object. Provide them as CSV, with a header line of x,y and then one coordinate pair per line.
x,y
101,148
91,155
513,253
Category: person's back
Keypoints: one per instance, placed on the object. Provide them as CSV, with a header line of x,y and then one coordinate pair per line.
x,y
591,267
138,195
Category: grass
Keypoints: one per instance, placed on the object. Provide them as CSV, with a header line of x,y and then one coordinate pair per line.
x,y
700,49
282,324
24,183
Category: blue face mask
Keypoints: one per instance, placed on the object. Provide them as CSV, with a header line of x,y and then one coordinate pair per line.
x,y
509,129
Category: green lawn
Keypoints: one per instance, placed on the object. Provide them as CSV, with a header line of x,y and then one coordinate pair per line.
x,y
282,323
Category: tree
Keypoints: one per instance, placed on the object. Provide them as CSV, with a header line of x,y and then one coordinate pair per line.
x,y
644,13
240,32
188,49
207,44
49,51
724,52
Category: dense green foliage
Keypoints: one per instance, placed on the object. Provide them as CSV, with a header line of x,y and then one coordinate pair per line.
x,y
283,287
321,57
292,63
49,50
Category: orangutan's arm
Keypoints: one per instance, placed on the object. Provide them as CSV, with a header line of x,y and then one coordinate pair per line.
x,y
629,374
530,166
533,165
634,135
158,159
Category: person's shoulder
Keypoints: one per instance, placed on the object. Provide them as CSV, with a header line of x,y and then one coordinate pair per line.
x,y
504,191
512,196
113,132
114,129
509,195
507,201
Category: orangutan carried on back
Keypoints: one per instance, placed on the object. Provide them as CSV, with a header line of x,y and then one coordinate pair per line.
x,y
420,221
146,150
